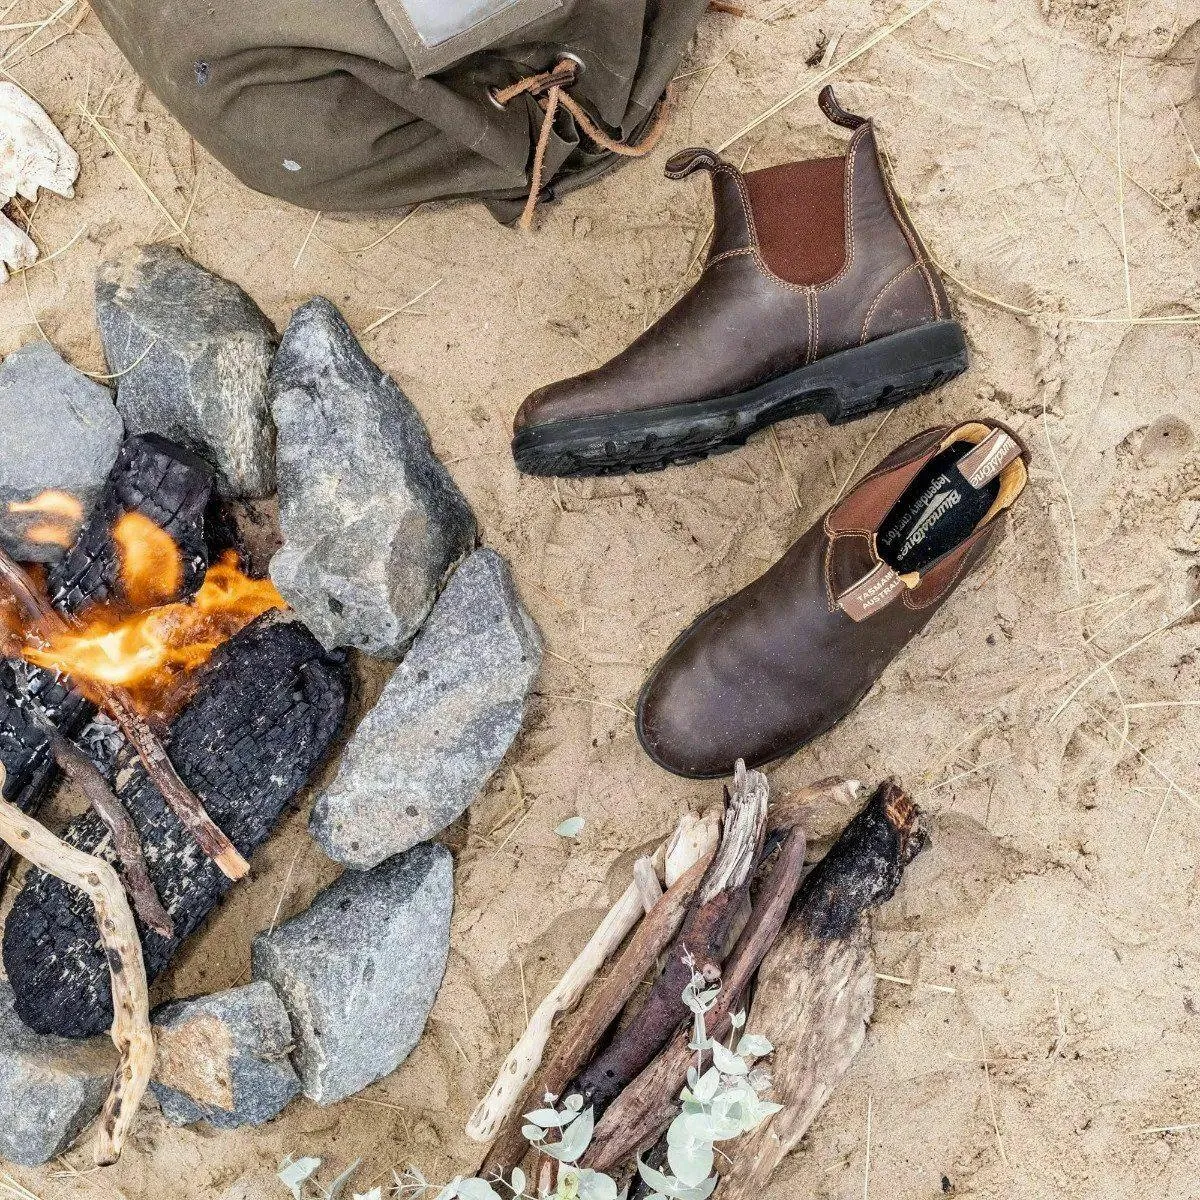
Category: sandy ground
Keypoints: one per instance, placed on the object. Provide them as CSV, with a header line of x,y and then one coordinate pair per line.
x,y
1055,918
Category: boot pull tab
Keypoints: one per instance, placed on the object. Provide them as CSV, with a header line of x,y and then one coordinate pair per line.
x,y
686,162
835,112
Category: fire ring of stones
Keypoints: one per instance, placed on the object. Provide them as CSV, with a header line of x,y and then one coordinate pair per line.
x,y
147,510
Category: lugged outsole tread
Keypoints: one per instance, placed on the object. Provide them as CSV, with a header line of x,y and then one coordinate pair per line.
x,y
654,452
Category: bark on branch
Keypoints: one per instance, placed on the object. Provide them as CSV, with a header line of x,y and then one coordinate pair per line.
x,y
184,803
701,946
131,1030
650,1103
816,988
654,933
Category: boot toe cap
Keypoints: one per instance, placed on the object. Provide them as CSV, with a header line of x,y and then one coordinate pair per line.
x,y
676,732
580,396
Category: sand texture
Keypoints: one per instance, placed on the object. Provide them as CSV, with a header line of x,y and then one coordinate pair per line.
x,y
1052,930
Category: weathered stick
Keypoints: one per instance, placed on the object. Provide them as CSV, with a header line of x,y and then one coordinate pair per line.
x,y
649,1104
788,811
693,842
131,1032
700,946
602,1009
83,772
184,803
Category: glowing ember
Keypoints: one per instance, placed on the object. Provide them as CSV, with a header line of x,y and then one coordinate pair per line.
x,y
59,512
148,652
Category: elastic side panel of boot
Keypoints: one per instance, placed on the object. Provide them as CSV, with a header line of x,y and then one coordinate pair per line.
x,y
800,217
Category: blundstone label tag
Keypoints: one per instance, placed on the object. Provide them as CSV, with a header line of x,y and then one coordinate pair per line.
x,y
989,458
922,514
875,590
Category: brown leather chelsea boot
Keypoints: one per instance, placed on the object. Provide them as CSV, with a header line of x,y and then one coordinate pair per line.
x,y
783,661
817,296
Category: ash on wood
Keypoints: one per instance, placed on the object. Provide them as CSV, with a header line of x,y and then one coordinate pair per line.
x,y
268,707
159,480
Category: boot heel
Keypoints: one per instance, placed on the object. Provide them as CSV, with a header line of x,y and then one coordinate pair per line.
x,y
890,370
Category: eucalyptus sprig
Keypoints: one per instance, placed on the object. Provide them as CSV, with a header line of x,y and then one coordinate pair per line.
x,y
719,1103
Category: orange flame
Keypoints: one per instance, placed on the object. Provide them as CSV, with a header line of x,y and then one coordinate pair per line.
x,y
150,651
61,515
151,565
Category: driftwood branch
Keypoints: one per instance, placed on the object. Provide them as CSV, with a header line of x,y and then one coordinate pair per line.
x,y
184,803
131,1030
796,807
686,859
83,772
700,946
649,1104
816,988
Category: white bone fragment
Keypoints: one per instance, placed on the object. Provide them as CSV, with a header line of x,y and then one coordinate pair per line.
x,y
17,249
33,154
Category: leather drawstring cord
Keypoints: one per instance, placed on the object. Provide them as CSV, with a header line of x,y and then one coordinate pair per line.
x,y
549,89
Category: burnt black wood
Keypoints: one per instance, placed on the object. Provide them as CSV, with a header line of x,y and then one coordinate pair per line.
x,y
158,479
263,718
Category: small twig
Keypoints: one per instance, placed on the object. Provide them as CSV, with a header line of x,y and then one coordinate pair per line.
x,y
694,841
83,772
131,1032
185,804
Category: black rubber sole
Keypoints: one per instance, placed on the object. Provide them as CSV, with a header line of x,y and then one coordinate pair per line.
x,y
842,387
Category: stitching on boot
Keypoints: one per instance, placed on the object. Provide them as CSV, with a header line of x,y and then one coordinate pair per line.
x,y
913,243
883,292
712,262
851,167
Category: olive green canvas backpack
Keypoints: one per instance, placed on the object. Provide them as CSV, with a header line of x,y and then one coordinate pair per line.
x,y
346,105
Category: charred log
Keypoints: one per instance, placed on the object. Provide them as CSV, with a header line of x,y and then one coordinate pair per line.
x,y
269,706
162,482
26,693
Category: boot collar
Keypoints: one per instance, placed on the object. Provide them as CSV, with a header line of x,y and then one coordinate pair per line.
x,y
858,580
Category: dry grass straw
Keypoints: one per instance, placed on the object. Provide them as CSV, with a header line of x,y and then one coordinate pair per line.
x,y
822,77
1108,662
380,240
394,312
37,27
94,120
307,239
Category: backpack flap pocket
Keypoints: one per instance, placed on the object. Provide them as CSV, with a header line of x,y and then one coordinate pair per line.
x,y
436,34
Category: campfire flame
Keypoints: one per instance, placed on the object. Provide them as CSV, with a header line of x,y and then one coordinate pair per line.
x,y
60,515
147,645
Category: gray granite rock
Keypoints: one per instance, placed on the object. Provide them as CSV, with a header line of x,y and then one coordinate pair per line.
x,y
223,1059
359,971
371,519
193,352
59,431
50,1088
442,725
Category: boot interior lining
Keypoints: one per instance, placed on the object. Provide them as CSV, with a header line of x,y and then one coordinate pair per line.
x,y
938,511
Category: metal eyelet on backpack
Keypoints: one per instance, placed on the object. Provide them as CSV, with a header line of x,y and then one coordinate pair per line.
x,y
573,57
